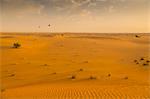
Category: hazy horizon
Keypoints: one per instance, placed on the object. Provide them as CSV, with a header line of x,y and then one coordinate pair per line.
x,y
88,16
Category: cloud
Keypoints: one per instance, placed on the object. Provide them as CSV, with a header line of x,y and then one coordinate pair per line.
x,y
68,14
69,7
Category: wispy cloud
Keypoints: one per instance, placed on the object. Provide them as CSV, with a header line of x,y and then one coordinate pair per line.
x,y
75,11
69,6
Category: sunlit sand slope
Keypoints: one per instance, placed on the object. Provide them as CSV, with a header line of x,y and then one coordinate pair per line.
x,y
107,66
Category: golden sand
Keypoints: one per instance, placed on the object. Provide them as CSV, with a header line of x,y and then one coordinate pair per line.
x,y
75,66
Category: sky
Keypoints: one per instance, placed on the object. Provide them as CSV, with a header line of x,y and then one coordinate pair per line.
x,y
94,16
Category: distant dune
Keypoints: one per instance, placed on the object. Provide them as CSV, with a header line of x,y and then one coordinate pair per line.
x,y
75,66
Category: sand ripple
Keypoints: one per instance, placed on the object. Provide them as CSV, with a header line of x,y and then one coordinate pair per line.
x,y
62,92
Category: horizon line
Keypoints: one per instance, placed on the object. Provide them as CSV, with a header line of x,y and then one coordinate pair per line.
x,y
72,32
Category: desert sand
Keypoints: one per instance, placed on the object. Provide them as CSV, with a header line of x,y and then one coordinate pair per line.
x,y
75,66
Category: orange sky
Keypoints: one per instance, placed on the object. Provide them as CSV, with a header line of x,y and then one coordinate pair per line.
x,y
75,16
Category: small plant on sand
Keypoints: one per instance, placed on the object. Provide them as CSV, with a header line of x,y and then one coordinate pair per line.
x,y
62,34
126,78
80,69
109,75
45,65
54,73
86,62
147,61
11,75
2,90
16,45
142,58
73,77
145,64
92,77
137,36
135,61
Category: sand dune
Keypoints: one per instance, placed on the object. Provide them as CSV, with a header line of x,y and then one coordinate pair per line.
x,y
76,66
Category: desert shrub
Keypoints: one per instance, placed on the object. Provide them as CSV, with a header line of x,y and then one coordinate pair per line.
x,y
86,62
80,69
54,73
142,58
73,77
145,64
137,36
16,45
126,78
147,61
45,65
109,75
92,77
12,75
2,90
